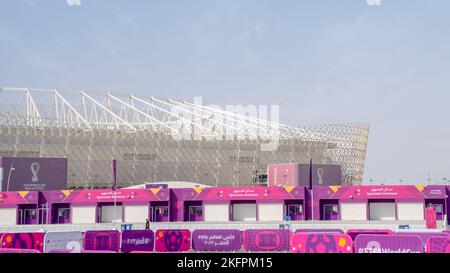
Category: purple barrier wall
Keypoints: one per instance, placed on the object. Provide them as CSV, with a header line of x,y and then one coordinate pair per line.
x,y
216,240
31,240
172,240
438,245
394,243
323,230
321,243
101,240
137,240
355,232
267,239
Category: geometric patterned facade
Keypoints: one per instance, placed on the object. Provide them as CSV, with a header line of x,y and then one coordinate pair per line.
x,y
157,139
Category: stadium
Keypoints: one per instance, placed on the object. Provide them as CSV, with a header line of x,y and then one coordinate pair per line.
x,y
123,173
156,139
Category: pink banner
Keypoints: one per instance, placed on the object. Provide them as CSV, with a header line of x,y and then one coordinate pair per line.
x,y
430,217
31,240
282,174
172,240
266,239
321,243
438,245
101,240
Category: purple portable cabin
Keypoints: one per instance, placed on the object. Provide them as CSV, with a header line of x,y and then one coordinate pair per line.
x,y
152,204
377,202
21,208
189,204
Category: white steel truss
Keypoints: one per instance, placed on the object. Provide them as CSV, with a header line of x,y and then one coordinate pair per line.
x,y
108,117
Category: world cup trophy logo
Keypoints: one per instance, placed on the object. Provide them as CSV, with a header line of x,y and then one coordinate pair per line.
x,y
320,175
35,166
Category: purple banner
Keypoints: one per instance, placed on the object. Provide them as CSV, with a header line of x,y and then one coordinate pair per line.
x,y
394,243
34,173
101,240
322,175
267,239
137,240
216,239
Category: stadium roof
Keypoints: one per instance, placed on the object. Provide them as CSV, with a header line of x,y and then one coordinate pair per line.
x,y
50,108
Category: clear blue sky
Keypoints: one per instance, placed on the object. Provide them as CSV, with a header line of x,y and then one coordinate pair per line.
x,y
321,61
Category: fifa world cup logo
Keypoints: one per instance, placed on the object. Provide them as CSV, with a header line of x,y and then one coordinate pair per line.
x,y
35,166
320,175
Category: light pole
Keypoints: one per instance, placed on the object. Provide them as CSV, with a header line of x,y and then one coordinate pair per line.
x,y
11,169
1,177
114,187
114,215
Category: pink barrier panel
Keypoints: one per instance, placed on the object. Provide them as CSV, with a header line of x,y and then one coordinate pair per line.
x,y
426,235
438,245
18,250
393,243
216,239
137,240
31,240
323,230
103,240
355,232
321,243
266,239
172,240
98,251
60,251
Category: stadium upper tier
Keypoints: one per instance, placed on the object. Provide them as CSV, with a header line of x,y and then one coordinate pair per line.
x,y
158,139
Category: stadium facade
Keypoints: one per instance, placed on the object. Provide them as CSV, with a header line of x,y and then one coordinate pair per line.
x,y
157,139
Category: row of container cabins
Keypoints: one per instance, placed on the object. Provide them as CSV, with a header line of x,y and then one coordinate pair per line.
x,y
162,204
